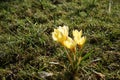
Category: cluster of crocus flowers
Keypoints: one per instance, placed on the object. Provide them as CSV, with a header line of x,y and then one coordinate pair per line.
x,y
61,35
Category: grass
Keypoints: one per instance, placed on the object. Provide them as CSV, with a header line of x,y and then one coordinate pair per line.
x,y
27,50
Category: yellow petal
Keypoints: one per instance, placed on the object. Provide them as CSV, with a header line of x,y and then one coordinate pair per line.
x,y
70,44
56,35
77,35
60,34
63,30
82,41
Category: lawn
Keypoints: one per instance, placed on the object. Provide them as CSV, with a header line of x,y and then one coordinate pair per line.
x,y
28,52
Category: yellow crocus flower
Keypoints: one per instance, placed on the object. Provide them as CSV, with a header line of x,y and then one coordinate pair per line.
x,y
81,41
70,44
57,36
60,34
78,37
64,30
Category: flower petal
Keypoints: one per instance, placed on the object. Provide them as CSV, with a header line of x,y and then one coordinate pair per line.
x,y
60,34
70,44
78,37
